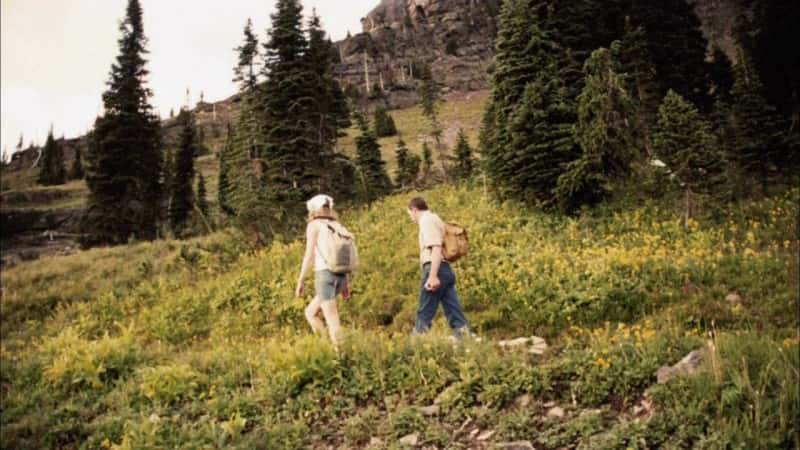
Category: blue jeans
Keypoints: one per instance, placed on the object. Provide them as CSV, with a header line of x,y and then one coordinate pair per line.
x,y
447,296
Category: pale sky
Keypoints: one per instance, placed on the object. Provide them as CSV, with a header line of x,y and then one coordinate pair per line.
x,y
56,55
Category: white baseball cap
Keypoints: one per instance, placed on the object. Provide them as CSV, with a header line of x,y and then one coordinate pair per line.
x,y
318,202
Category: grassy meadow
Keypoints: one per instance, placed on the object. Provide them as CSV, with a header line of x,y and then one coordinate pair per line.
x,y
200,343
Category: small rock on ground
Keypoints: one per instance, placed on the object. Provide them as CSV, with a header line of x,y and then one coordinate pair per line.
x,y
410,440
689,365
428,411
556,412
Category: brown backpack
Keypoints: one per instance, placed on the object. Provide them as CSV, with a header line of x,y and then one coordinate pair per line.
x,y
456,242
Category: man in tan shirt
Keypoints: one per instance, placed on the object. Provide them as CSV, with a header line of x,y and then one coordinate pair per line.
x,y
438,279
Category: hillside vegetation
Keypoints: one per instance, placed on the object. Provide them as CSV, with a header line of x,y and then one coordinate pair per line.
x,y
199,344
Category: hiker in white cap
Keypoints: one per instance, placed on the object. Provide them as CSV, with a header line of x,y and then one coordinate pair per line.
x,y
332,250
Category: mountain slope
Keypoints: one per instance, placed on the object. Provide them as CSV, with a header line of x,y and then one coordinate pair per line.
x,y
200,344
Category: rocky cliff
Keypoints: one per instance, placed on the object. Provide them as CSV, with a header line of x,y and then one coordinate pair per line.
x,y
453,37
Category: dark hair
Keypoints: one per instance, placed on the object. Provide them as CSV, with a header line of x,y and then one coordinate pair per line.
x,y
418,203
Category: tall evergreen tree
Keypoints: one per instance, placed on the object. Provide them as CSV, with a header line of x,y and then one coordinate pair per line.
x,y
430,93
541,142
758,128
246,72
526,86
181,193
76,171
291,144
634,60
677,47
685,142
330,113
374,180
124,157
462,157
52,170
605,133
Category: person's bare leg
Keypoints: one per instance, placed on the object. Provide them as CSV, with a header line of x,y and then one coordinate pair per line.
x,y
312,311
331,313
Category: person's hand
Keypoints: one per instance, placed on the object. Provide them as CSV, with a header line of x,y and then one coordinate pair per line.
x,y
300,290
346,294
433,284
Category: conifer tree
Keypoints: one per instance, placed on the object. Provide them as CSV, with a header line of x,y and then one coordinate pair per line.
x,y
291,143
330,113
167,176
374,180
246,72
384,123
202,195
124,157
52,170
686,143
462,157
525,52
677,47
431,98
407,166
541,142
634,60
757,126
605,133
76,171
182,194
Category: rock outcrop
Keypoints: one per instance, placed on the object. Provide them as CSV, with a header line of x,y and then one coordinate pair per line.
x,y
453,37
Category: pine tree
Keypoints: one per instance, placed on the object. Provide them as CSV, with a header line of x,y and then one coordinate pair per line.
x,y
245,72
462,157
431,98
526,86
757,126
541,142
605,133
76,172
52,170
291,153
384,123
182,194
202,195
374,180
685,142
223,183
407,166
124,157
330,113
677,47
634,60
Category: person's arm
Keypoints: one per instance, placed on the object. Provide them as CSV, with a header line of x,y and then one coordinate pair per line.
x,y
433,282
308,259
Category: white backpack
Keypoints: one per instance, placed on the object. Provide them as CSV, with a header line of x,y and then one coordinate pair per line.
x,y
340,253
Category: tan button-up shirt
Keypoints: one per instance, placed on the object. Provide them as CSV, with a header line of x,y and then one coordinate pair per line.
x,y
431,234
